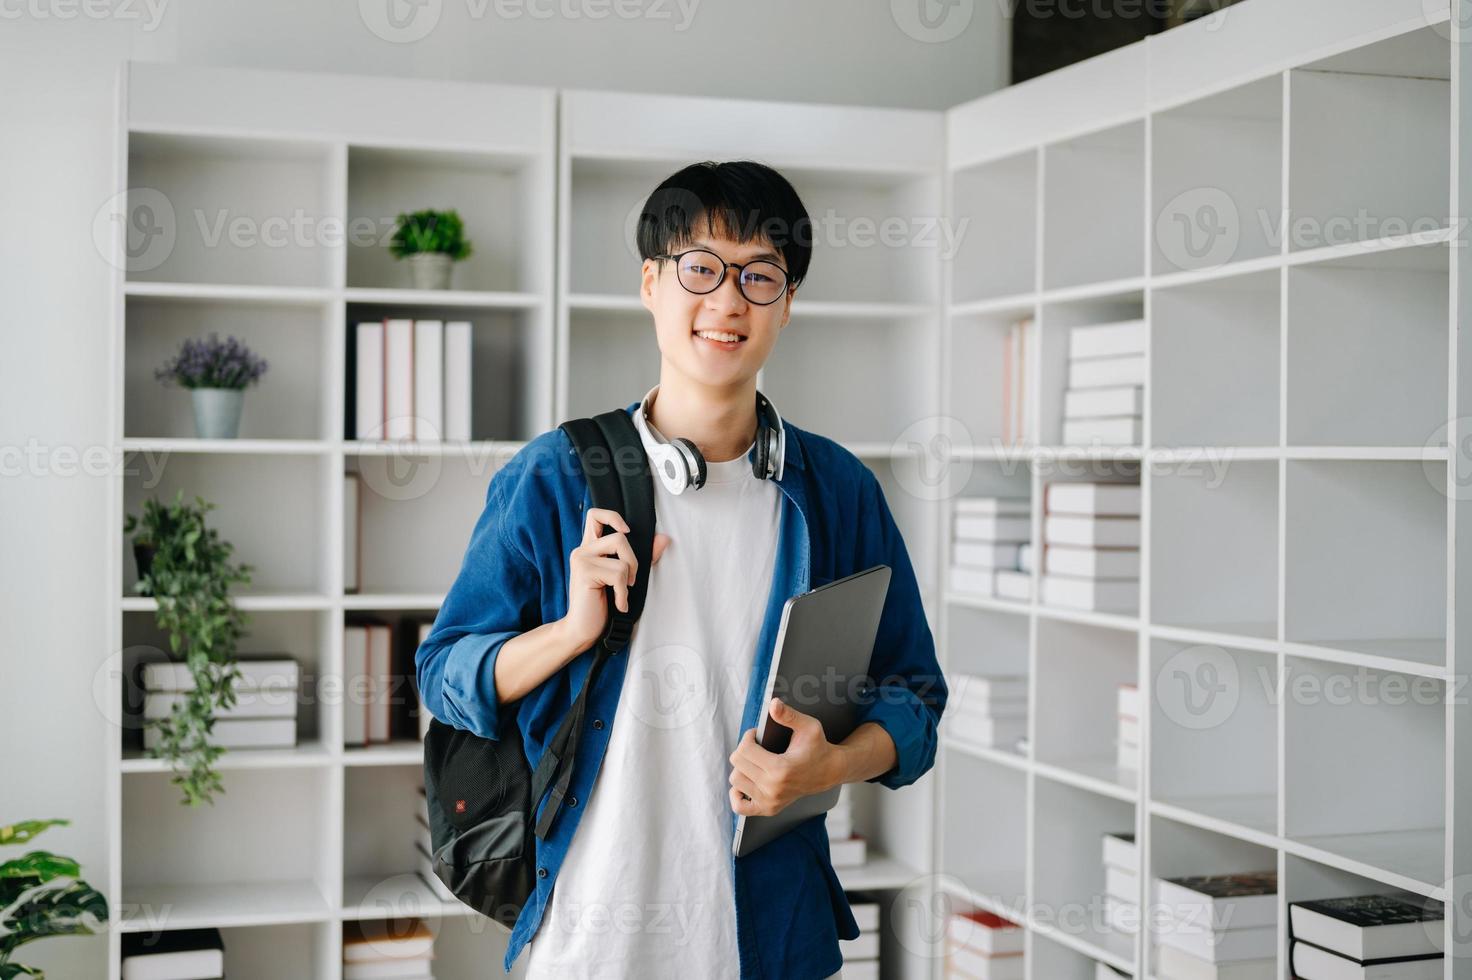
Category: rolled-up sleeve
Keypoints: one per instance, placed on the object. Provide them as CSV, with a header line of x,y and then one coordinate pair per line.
x,y
911,692
495,596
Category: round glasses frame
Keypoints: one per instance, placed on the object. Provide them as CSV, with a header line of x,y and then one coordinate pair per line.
x,y
739,267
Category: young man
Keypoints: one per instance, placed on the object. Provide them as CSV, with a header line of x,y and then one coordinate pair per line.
x,y
640,854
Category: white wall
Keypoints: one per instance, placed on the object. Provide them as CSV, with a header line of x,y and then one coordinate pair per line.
x,y
58,64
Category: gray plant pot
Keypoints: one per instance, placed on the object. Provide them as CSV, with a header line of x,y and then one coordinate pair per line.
x,y
431,270
217,412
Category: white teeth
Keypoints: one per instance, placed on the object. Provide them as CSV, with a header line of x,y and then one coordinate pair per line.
x,y
728,338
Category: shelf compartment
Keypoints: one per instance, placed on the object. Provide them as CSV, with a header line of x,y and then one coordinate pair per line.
x,y
504,201
1305,880
510,373
380,828
237,210
1057,961
1068,868
287,402
1079,669
1214,354
1057,318
1213,732
1367,350
225,865
985,641
272,508
983,828
1366,557
1384,807
613,358
856,399
1217,178
1214,547
998,201
1178,849
1094,207
406,501
1396,129
302,635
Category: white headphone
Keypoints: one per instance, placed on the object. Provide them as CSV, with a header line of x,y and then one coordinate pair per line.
x,y
680,465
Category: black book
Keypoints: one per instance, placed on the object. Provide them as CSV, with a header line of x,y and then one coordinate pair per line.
x,y
1368,928
178,953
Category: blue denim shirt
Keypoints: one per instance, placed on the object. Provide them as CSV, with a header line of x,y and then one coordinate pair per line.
x,y
790,906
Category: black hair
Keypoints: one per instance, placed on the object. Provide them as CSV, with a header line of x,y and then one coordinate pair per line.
x,y
742,199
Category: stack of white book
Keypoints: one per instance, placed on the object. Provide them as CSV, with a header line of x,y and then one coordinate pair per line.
x,y
1391,936
846,849
1122,882
1105,399
424,851
380,950
983,946
861,955
410,379
177,954
986,542
988,710
262,717
1091,546
1127,755
1217,927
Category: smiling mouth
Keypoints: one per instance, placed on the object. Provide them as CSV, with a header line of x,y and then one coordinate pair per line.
x,y
721,336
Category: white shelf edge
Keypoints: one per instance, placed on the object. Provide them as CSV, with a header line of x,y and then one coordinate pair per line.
x,y
393,600
260,602
1061,773
254,447
443,298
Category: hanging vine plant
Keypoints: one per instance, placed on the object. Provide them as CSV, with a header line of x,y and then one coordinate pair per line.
x,y
186,566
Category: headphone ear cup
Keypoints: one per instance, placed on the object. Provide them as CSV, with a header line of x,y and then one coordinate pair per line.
x,y
694,456
759,466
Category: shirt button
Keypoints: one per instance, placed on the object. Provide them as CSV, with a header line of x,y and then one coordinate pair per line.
x,y
541,872
598,724
572,801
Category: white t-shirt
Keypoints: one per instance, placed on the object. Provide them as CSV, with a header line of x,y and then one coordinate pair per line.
x,y
646,887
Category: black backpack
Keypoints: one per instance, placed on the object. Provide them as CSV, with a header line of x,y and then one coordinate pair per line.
x,y
481,792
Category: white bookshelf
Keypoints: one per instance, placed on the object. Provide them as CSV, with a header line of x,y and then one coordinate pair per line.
x,y
1301,513
1301,480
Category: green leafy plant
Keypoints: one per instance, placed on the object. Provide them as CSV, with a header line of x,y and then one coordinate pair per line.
x,y
430,231
190,575
42,895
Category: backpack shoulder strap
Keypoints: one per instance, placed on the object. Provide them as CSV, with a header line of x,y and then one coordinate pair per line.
x,y
617,469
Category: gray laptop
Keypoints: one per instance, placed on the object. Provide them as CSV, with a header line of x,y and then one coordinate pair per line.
x,y
825,642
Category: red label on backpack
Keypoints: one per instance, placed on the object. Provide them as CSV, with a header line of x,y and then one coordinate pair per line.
x,y
459,806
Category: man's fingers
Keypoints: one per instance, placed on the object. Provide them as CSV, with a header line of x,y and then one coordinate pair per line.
x,y
661,541
601,517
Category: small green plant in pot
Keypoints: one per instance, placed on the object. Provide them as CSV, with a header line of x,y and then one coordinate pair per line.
x,y
431,241
42,895
190,576
216,373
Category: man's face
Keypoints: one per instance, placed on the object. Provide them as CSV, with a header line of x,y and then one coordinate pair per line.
x,y
680,316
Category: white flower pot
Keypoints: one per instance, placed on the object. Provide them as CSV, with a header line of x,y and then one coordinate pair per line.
x,y
431,270
217,412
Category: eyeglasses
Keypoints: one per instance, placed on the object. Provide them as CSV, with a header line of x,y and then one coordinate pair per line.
x,y
701,271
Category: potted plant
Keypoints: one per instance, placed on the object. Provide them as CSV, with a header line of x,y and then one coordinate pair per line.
x,y
431,241
190,576
42,895
216,374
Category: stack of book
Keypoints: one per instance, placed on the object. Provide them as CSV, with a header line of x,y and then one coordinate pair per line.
x,y
262,717
983,946
1221,927
1091,546
987,537
1387,936
1019,353
380,701
424,851
179,954
1103,971
400,949
1105,400
1127,755
409,379
988,710
861,955
352,533
1122,882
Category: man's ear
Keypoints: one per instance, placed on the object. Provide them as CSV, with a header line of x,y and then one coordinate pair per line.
x,y
648,276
